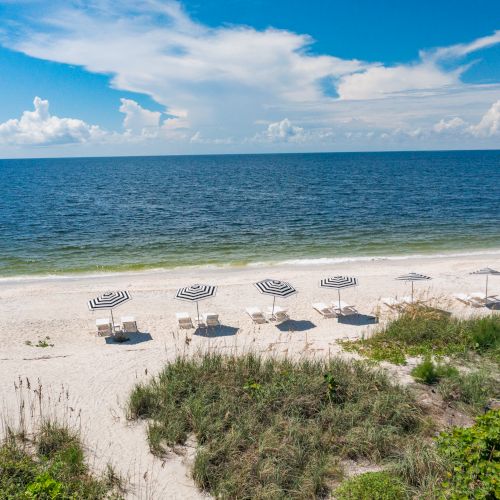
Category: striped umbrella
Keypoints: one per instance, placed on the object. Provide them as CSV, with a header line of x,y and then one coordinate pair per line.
x,y
413,277
195,293
108,301
276,288
488,272
338,282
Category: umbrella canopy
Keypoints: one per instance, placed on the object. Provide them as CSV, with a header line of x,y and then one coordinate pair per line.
x,y
413,277
276,288
108,301
338,282
488,272
195,293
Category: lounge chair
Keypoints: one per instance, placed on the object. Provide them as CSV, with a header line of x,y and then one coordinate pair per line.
x,y
279,314
184,320
344,309
481,297
129,325
256,314
103,327
324,310
211,320
470,300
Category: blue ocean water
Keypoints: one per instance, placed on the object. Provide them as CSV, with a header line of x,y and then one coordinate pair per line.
x,y
110,214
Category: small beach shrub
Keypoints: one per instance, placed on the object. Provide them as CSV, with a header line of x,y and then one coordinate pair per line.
x,y
429,373
474,454
372,486
275,428
425,332
49,465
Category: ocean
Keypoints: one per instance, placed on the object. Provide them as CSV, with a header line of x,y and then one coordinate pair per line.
x,y
131,213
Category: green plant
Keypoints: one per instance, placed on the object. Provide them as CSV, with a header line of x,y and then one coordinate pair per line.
x,y
280,437
474,453
429,373
45,487
41,343
372,486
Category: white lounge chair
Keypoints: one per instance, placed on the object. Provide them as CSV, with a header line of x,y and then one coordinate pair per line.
x,y
256,314
103,327
468,300
184,320
481,297
392,303
278,315
211,320
129,325
324,310
344,309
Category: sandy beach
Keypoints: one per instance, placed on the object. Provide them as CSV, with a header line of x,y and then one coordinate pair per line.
x,y
88,379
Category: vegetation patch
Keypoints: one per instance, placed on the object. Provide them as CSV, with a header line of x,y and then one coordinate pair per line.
x,y
275,428
474,454
50,466
429,373
421,331
372,486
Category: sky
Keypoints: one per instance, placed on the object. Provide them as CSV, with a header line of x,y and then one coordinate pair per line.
x,y
106,77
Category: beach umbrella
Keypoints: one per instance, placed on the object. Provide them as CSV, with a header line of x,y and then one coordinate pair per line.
x,y
487,271
338,282
276,288
195,293
108,301
412,277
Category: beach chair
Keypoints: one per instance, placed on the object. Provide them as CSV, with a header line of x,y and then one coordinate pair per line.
x,y
468,300
211,320
184,320
280,314
256,314
324,310
129,325
344,309
103,327
481,297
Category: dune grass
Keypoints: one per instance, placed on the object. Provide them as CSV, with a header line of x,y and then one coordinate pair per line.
x,y
275,428
50,465
422,331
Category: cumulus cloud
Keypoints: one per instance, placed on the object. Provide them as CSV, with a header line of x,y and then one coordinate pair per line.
x,y
489,124
138,119
283,131
447,125
39,127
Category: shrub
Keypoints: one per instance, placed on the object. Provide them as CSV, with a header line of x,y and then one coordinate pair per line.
x,y
475,457
372,486
275,428
429,373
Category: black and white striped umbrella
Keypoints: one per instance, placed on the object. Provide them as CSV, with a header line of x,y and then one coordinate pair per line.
x,y
195,293
338,282
108,301
487,271
412,277
276,288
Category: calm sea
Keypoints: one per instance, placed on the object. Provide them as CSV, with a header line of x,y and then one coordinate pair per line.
x,y
111,214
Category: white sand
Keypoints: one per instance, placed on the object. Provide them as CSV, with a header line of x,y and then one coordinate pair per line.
x,y
98,376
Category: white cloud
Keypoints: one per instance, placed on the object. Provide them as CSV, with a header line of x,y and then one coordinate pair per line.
x,y
39,127
139,120
283,131
489,124
447,125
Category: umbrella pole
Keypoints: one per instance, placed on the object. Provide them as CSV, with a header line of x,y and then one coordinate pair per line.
x,y
339,298
112,321
198,312
486,292
274,301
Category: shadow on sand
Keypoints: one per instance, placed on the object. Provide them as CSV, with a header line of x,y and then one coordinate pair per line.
x,y
130,339
217,331
292,325
358,320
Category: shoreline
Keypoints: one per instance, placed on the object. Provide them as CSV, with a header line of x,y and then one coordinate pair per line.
x,y
258,265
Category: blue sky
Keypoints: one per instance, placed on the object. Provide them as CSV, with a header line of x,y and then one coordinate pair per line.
x,y
106,77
